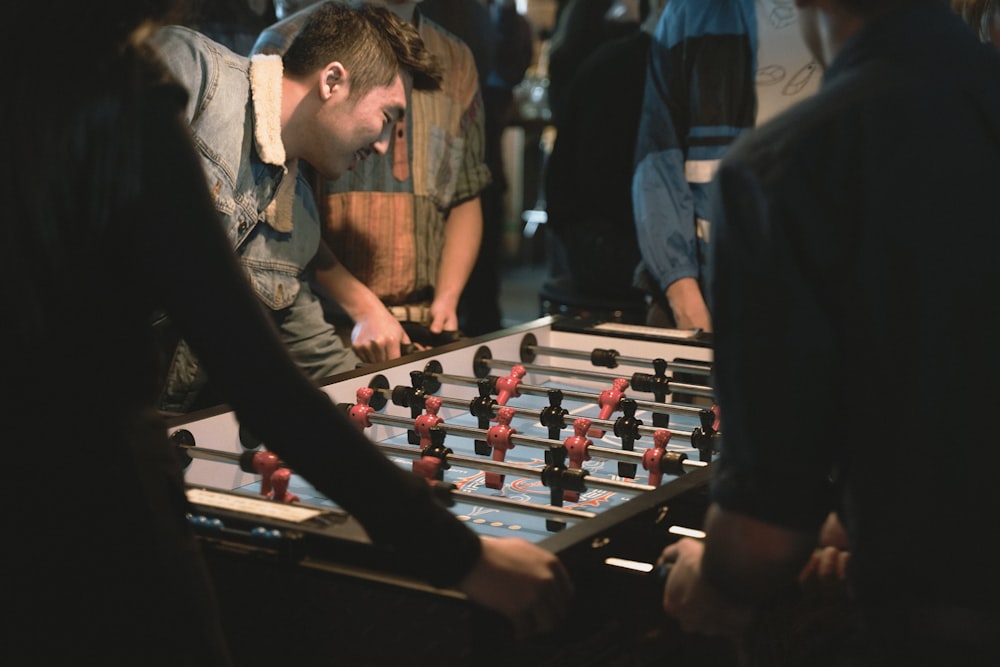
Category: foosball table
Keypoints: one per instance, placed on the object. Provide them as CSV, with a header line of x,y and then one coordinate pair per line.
x,y
593,440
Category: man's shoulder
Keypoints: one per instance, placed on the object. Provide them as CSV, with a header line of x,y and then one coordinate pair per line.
x,y
179,37
849,100
451,51
170,38
190,54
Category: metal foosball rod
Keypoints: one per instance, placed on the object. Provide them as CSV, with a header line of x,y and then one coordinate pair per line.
x,y
526,440
245,460
589,483
607,358
499,502
704,391
652,406
638,379
657,383
535,415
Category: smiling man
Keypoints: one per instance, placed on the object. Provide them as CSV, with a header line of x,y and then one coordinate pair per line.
x,y
406,226
332,100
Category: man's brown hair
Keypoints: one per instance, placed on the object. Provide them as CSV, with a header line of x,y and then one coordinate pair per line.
x,y
371,42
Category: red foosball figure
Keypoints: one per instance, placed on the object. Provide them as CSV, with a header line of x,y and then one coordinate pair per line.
x,y
498,437
422,425
264,464
609,400
651,457
359,411
577,446
279,487
429,419
510,386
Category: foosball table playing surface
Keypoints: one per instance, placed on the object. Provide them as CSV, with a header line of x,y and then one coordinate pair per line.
x,y
591,440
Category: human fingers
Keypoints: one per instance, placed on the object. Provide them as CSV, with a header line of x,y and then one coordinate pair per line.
x,y
548,610
365,353
843,558
827,563
372,351
668,555
564,583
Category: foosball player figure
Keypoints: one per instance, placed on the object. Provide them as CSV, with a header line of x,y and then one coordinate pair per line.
x,y
510,386
423,424
706,438
434,457
560,479
657,460
359,412
481,408
627,428
553,416
264,464
609,400
657,384
498,438
577,446
415,400
279,487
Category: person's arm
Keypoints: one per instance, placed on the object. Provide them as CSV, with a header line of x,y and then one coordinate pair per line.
x,y
771,488
208,297
716,587
826,572
463,228
463,232
662,198
687,303
693,108
377,335
176,46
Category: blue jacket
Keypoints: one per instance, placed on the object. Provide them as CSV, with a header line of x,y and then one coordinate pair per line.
x,y
699,97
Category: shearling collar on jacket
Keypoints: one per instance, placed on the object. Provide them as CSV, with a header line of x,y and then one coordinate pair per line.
x,y
265,88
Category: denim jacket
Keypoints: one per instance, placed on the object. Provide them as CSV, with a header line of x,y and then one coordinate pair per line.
x,y
234,115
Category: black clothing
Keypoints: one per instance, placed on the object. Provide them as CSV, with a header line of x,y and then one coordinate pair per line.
x,y
581,27
588,180
857,291
102,566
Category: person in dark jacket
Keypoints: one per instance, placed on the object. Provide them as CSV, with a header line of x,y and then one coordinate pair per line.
x,y
856,238
108,221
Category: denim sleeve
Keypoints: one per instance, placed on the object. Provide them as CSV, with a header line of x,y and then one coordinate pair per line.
x,y
661,197
187,56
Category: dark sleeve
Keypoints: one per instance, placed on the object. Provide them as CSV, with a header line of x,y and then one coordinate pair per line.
x,y
775,358
190,267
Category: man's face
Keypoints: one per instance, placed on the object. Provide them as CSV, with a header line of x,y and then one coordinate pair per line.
x,y
349,129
